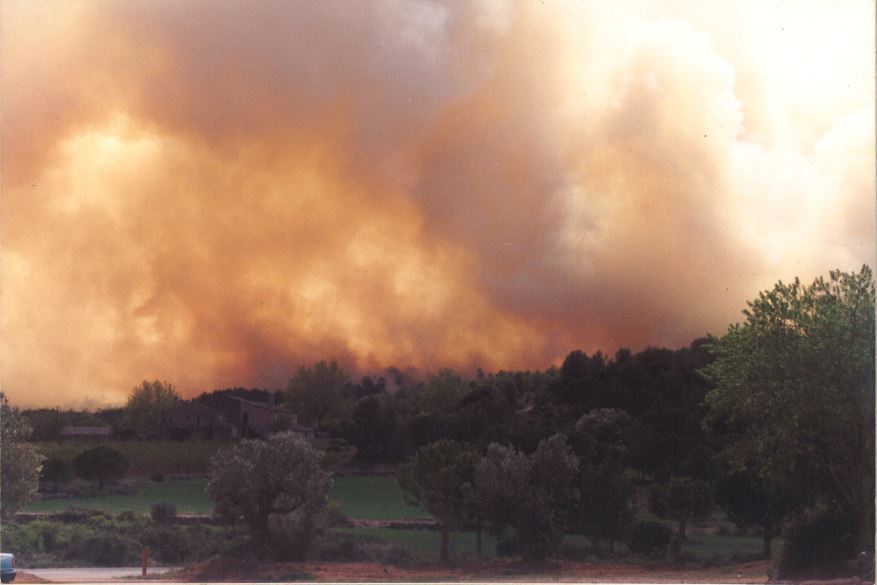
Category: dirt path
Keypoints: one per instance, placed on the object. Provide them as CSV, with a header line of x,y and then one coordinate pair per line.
x,y
500,570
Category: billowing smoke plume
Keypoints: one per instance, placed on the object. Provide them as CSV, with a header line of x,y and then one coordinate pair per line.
x,y
217,192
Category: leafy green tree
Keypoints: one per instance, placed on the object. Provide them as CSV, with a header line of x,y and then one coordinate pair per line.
x,y
798,374
56,471
441,392
373,429
601,434
606,507
436,477
102,464
277,487
531,494
146,403
682,499
749,501
20,461
319,393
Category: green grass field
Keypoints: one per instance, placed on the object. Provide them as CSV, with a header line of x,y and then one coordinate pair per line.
x,y
369,497
425,543
188,495
146,457
374,498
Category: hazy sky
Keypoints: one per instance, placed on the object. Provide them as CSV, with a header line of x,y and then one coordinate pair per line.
x,y
215,193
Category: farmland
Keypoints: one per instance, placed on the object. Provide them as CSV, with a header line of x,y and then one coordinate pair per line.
x,y
381,498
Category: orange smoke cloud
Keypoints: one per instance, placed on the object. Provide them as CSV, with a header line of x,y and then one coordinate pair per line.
x,y
215,193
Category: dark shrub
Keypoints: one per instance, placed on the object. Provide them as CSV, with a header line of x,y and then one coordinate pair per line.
x,y
78,515
101,464
507,547
157,477
168,545
126,516
648,538
55,471
163,512
817,544
105,550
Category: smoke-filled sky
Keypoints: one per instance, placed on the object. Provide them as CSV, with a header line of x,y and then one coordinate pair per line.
x,y
216,192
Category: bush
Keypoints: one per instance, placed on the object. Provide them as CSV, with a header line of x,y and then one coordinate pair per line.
x,y
507,547
55,471
104,550
102,464
817,544
167,545
648,538
157,477
163,512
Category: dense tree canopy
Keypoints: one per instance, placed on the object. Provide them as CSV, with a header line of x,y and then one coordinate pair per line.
x,y
681,499
797,378
319,392
146,403
436,477
277,487
101,464
532,494
19,461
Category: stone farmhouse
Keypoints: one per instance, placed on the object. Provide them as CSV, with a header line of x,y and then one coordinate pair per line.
x,y
227,417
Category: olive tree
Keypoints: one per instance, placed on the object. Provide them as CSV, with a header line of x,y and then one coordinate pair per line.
x,y
529,493
20,462
277,488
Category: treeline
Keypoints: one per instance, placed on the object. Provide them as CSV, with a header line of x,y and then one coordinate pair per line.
x,y
644,407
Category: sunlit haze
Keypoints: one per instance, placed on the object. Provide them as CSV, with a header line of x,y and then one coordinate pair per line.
x,y
215,193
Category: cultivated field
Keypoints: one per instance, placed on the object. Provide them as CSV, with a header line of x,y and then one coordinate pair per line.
x,y
375,498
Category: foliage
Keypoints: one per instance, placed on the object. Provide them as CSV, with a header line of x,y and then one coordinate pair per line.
x,y
102,464
98,539
55,471
48,422
147,457
277,487
319,393
606,507
441,392
163,512
436,477
816,544
146,403
188,495
106,550
600,435
797,376
648,538
528,493
373,429
20,462
681,498
750,501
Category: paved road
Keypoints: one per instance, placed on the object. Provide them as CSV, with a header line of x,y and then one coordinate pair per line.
x,y
92,574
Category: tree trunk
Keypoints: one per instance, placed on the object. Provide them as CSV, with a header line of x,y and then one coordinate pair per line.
x,y
682,526
765,544
443,556
478,540
611,545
